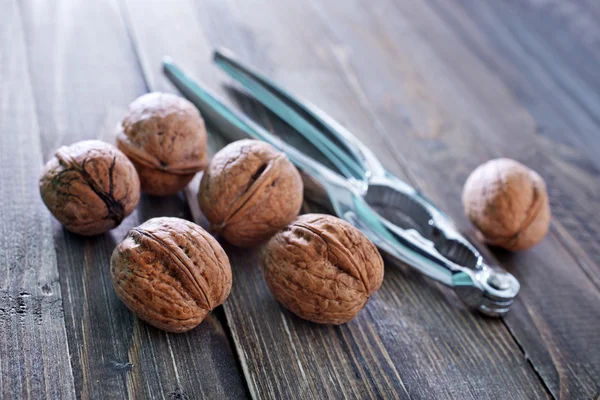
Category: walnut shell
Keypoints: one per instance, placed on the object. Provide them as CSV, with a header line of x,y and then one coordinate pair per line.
x,y
165,138
90,187
322,268
249,192
508,203
171,273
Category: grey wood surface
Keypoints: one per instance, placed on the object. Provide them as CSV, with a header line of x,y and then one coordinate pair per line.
x,y
83,74
461,114
433,87
34,357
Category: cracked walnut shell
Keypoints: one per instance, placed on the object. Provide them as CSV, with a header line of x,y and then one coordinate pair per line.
x,y
249,192
322,268
90,187
171,273
165,138
508,203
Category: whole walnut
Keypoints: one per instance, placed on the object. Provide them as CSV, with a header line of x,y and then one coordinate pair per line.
x,y
322,268
171,273
249,192
508,203
165,138
90,187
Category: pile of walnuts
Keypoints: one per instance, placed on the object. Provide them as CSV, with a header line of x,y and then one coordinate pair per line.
x,y
172,272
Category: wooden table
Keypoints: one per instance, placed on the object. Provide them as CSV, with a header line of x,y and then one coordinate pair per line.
x,y
434,87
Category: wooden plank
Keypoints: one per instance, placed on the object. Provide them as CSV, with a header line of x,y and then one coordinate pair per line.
x,y
282,356
400,345
537,61
549,82
300,58
453,112
84,75
33,341
566,122
549,75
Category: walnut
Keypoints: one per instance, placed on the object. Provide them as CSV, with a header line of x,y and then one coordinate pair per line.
x,y
90,187
249,192
171,273
322,268
508,203
165,138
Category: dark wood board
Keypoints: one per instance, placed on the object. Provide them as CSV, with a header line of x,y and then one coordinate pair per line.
x,y
434,87
287,42
547,93
299,357
34,354
84,74
456,115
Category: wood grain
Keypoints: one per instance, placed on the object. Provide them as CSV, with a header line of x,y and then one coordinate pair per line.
x,y
33,341
378,354
84,74
434,87
457,113
281,355
547,91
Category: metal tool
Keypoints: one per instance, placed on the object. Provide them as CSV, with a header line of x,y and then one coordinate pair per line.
x,y
391,213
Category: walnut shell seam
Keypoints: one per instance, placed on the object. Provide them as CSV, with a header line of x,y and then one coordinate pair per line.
x,y
341,271
184,268
171,273
322,269
328,238
115,209
140,156
532,214
260,179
